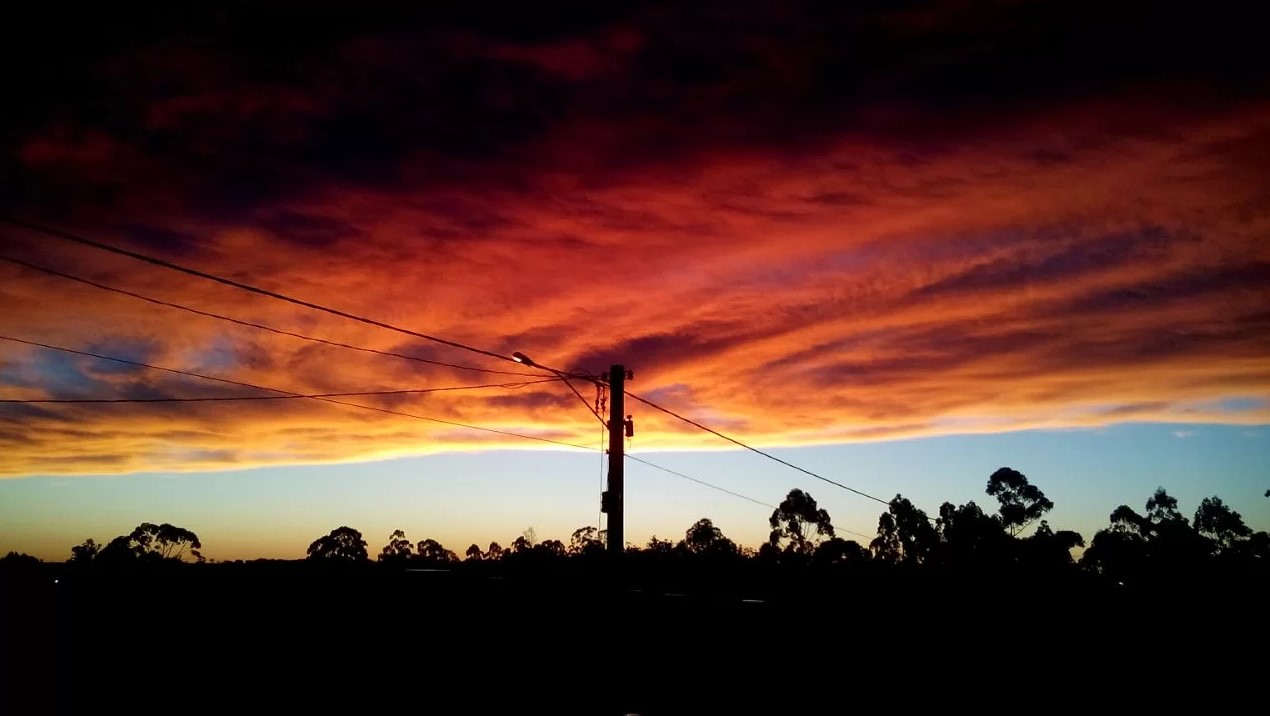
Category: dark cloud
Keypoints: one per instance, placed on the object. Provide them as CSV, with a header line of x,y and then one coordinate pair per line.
x,y
305,229
664,350
535,401
103,462
216,111
1188,285
1066,263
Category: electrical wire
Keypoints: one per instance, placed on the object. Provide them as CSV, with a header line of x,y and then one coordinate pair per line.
x,y
67,236
768,455
250,324
300,395
730,492
701,482
562,375
590,409
139,364
414,391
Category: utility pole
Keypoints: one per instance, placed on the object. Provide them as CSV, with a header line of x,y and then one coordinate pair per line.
x,y
614,496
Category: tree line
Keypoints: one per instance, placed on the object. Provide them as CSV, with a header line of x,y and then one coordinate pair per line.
x,y
1134,546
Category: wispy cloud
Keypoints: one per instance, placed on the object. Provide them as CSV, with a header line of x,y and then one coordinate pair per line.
x,y
848,270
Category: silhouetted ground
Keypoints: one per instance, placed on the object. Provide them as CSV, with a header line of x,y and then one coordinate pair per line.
x,y
286,637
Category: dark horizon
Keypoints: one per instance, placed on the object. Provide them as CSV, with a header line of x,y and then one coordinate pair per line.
x,y
953,591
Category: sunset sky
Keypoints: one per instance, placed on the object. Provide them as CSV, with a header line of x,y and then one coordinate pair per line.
x,y
901,244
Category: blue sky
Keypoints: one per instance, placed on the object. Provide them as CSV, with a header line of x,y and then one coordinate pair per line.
x,y
462,498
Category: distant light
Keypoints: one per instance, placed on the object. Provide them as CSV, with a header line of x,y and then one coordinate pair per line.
x,y
55,581
522,358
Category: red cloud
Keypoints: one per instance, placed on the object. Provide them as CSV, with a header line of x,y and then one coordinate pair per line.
x,y
803,231
978,289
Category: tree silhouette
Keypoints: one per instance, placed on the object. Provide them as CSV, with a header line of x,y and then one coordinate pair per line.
x,y
659,546
836,550
968,535
84,552
704,538
495,552
1157,541
398,551
18,566
172,542
1116,553
1022,503
1162,508
342,544
585,540
117,552
430,550
1124,519
147,543
473,553
15,562
1047,548
1257,547
1120,551
799,522
1216,521
1170,538
165,541
905,534
886,547
552,547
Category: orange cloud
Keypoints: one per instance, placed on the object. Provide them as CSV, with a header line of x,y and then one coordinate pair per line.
x,y
1049,275
801,222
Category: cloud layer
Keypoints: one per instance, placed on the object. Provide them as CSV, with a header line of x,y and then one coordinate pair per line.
x,y
802,226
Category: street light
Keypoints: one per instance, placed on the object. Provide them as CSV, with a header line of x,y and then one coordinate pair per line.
x,y
525,360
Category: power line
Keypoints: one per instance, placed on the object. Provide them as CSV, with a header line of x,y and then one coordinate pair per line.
x,y
414,391
67,236
768,455
588,406
562,375
730,492
760,503
298,395
250,324
327,397
139,364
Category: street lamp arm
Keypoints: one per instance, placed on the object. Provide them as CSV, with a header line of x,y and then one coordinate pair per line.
x,y
527,361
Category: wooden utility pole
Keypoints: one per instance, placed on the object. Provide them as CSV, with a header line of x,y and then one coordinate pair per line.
x,y
614,497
